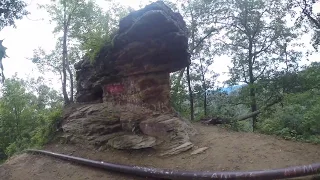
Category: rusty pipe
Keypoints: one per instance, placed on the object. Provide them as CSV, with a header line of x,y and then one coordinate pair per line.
x,y
290,172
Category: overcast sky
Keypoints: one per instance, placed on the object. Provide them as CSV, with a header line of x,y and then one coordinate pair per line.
x,y
35,31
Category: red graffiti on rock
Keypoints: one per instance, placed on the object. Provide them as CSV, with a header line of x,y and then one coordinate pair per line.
x,y
114,88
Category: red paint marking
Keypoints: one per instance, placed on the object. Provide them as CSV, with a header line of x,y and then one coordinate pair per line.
x,y
114,88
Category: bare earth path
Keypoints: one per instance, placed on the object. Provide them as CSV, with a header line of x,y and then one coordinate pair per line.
x,y
228,151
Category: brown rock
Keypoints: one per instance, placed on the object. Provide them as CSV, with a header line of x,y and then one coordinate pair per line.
x,y
103,140
132,142
127,88
165,126
151,40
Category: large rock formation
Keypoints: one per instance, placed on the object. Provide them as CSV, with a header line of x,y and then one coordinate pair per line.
x,y
124,95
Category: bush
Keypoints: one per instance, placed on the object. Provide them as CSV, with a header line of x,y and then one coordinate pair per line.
x,y
299,119
23,123
39,137
45,133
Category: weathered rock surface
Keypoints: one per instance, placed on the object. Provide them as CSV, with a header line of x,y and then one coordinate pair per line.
x,y
132,142
125,126
198,151
153,39
124,96
178,149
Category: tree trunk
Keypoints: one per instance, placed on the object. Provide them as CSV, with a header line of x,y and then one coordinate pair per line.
x,y
190,94
205,103
313,20
256,112
67,59
204,86
252,88
177,83
193,26
71,79
253,105
64,58
243,117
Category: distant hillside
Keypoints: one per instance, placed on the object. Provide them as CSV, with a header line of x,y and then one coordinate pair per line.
x,y
231,88
228,89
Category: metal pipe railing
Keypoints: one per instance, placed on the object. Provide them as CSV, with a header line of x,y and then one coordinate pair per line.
x,y
290,172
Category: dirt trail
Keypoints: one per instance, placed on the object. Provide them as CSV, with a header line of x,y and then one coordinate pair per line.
x,y
228,151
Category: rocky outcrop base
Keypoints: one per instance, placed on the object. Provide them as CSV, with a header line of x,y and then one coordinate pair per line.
x,y
127,127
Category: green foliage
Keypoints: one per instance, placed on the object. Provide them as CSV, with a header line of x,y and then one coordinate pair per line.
x,y
47,62
243,126
10,11
28,118
306,19
253,33
95,44
44,133
201,76
179,96
298,119
94,27
84,30
262,47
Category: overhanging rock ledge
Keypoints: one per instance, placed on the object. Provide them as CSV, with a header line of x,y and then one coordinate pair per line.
x,y
123,98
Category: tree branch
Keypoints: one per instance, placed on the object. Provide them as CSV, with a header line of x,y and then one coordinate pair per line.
x,y
203,39
263,49
244,73
260,73
241,118
234,45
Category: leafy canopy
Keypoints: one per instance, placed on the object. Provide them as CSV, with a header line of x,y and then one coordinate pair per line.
x,y
11,10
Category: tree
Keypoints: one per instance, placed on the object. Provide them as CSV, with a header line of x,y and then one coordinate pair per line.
x,y
255,36
46,96
67,14
179,96
306,15
11,10
85,29
2,55
16,112
199,32
50,62
298,116
203,78
27,117
63,13
98,27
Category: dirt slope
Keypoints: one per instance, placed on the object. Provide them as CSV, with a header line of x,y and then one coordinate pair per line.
x,y
227,151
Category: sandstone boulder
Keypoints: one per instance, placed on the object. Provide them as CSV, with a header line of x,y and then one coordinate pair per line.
x,y
123,97
153,39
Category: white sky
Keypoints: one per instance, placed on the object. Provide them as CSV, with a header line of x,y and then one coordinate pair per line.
x,y
35,31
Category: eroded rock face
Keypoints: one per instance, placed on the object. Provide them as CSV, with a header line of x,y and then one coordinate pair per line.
x,y
126,91
151,40
126,126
